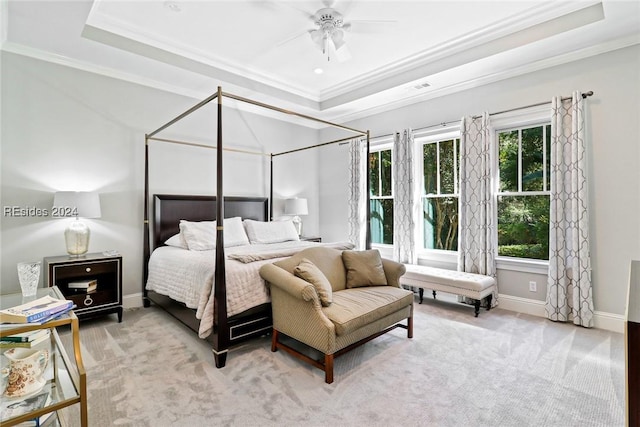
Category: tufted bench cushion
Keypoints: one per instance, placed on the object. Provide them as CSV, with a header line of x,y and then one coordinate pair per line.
x,y
474,286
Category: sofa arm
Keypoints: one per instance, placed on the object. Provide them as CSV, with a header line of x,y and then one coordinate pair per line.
x,y
393,271
289,283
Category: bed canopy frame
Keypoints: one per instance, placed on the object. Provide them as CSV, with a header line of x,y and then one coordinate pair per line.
x,y
221,340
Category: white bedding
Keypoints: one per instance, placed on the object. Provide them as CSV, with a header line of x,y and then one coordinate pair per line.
x,y
187,276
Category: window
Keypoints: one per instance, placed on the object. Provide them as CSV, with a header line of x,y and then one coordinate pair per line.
x,y
440,171
381,195
523,192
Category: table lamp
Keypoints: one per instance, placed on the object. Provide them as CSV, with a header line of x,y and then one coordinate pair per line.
x,y
296,207
81,204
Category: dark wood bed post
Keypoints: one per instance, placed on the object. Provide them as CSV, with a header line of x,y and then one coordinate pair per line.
x,y
368,199
220,322
271,187
147,250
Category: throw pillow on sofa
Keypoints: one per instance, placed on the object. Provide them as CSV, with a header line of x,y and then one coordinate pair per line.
x,y
364,268
308,271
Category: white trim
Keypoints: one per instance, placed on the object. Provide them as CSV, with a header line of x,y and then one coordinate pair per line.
x,y
602,320
132,300
523,265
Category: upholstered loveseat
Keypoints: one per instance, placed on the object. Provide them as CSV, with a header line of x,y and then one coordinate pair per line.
x,y
358,298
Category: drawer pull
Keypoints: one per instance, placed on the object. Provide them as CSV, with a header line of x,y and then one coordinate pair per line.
x,y
88,300
88,269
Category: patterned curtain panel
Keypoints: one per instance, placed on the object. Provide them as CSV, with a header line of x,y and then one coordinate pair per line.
x,y
569,292
404,200
476,230
357,221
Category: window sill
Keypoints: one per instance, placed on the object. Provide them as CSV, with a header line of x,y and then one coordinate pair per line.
x,y
523,265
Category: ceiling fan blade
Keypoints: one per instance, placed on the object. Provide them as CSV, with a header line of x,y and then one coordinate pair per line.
x,y
369,26
343,54
291,38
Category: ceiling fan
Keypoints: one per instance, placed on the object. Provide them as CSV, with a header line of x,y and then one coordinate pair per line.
x,y
329,32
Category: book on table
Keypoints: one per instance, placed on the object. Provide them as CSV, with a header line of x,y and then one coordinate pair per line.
x,y
11,408
26,336
35,311
41,337
83,285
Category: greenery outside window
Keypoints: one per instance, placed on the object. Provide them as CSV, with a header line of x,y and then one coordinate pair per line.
x,y
523,192
381,195
440,183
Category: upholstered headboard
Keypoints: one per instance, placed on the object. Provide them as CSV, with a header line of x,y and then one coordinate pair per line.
x,y
169,209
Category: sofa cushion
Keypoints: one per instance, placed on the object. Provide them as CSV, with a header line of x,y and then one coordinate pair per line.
x,y
364,268
354,308
308,271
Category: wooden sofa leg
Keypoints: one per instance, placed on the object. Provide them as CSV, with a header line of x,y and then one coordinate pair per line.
x,y
410,327
328,368
274,340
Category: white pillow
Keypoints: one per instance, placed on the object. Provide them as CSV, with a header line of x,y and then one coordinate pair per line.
x,y
234,233
270,232
201,235
177,240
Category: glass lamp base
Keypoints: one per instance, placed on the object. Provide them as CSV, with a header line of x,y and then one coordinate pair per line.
x,y
297,222
77,238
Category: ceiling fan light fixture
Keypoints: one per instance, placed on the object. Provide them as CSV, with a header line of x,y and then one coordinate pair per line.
x,y
338,39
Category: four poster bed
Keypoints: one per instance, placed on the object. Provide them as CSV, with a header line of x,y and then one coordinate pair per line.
x,y
217,292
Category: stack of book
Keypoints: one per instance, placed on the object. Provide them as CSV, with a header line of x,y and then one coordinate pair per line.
x,y
83,285
40,310
26,339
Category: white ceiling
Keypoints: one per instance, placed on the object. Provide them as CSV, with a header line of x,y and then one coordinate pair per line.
x,y
262,49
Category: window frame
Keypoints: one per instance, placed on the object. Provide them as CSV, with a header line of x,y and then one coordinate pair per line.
x,y
444,257
379,145
522,118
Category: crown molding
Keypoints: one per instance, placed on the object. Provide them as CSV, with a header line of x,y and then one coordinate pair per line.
x,y
492,78
362,112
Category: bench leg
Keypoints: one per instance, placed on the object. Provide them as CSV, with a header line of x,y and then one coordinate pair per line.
x,y
476,304
421,294
434,294
489,299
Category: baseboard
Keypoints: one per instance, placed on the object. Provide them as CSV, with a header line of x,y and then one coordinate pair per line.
x,y
132,300
602,320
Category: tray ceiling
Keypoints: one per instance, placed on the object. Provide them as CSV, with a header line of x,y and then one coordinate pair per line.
x,y
400,51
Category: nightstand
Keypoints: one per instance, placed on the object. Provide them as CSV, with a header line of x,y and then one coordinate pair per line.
x,y
311,239
106,270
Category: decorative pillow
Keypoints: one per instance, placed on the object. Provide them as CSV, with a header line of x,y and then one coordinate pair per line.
x,y
364,268
308,271
201,235
270,232
177,240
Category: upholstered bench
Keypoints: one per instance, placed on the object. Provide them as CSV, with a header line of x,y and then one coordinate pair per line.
x,y
474,286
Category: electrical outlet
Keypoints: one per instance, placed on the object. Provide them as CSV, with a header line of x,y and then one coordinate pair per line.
x,y
533,286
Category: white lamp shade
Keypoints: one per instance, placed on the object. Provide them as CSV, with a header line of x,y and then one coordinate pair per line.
x,y
296,207
83,204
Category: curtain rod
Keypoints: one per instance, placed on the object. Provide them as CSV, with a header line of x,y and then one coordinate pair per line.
x,y
443,124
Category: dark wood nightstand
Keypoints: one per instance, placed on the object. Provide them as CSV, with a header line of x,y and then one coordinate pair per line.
x,y
106,270
311,239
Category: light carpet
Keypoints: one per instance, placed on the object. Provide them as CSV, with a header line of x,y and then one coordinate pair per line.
x,y
500,369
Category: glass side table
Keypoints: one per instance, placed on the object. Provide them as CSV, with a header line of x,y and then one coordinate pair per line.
x,y
66,378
